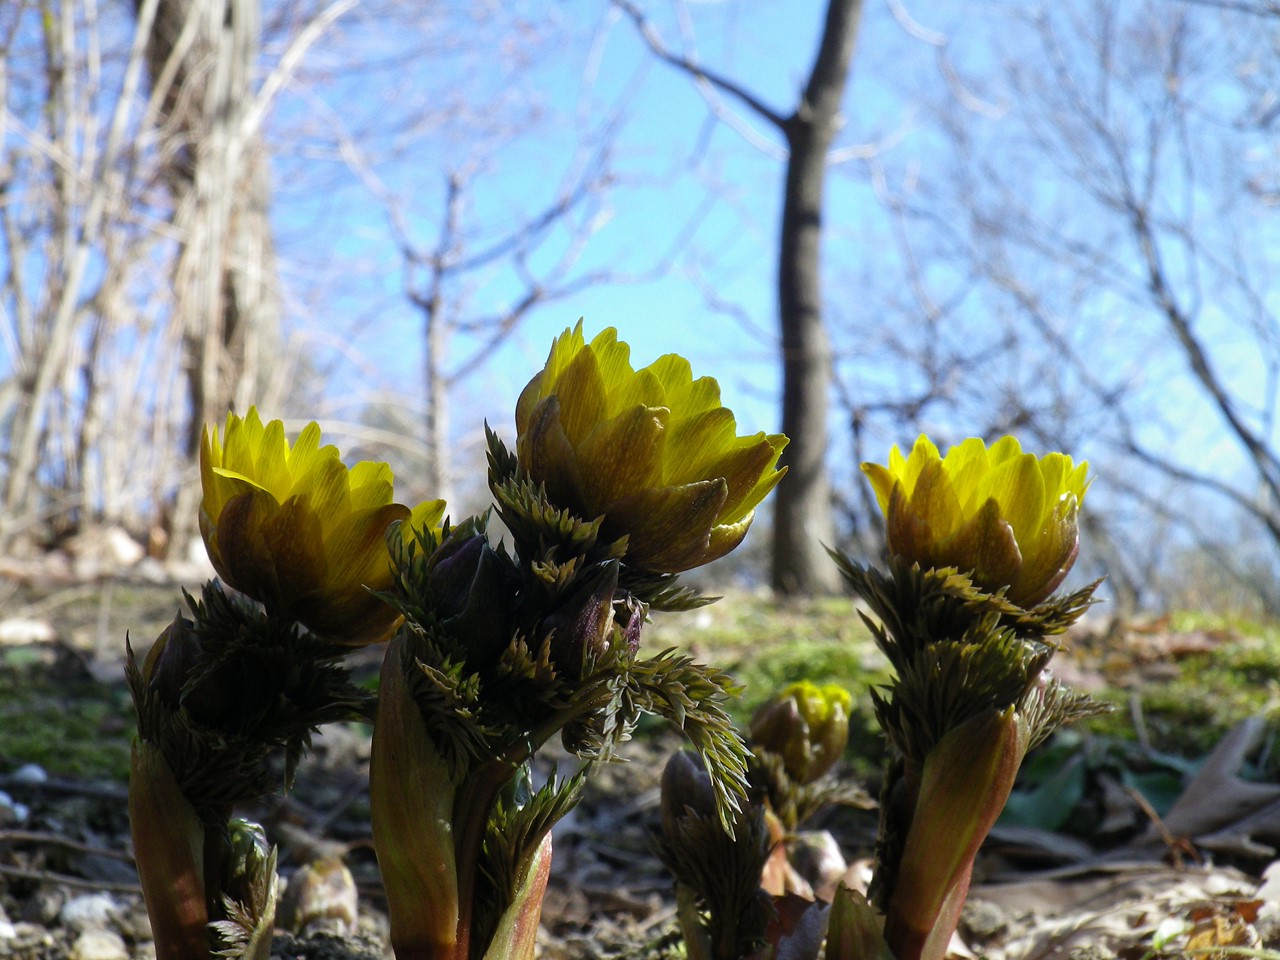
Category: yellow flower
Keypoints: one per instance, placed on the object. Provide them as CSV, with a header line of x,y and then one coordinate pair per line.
x,y
650,450
298,531
1002,515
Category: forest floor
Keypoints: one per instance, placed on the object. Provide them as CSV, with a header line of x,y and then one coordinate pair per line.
x,y
1150,833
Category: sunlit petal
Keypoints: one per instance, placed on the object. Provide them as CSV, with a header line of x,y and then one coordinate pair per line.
x,y
1005,516
650,450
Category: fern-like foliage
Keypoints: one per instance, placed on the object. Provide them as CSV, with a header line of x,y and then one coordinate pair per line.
x,y
515,831
692,696
234,687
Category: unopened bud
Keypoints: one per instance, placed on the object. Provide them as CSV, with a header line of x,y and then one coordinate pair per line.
x,y
686,790
473,587
169,663
583,628
807,726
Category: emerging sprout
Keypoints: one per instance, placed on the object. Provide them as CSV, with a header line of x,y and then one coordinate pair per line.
x,y
807,726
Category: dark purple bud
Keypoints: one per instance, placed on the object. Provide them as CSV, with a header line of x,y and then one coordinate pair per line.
x,y
475,590
582,628
171,661
686,790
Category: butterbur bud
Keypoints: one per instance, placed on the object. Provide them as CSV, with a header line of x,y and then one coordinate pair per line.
x,y
807,726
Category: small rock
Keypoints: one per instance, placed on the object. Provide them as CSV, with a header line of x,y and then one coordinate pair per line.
x,y
99,945
91,911
7,930
44,905
135,924
20,631
12,812
30,773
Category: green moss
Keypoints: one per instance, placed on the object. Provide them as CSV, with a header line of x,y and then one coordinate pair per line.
x,y
1210,693
70,727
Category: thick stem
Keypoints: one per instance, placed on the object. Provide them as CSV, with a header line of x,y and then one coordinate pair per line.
x,y
471,818
168,843
411,800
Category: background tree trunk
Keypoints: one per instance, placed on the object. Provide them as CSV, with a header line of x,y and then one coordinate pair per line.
x,y
803,526
803,523
202,56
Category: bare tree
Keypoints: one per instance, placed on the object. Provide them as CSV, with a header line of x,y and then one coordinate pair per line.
x,y
803,524
1093,224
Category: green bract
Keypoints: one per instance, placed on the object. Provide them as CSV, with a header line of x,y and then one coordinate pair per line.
x,y
650,450
1006,517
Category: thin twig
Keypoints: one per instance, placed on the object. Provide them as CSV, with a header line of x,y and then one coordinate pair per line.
x,y
46,876
50,839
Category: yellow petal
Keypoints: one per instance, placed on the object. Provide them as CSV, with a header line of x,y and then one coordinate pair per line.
x,y
427,515
549,457
530,397
305,448
581,393
622,454
1017,486
356,548
725,538
749,472
669,528
881,483
694,442
295,538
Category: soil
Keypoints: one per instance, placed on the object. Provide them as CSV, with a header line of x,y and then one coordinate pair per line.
x,y
68,887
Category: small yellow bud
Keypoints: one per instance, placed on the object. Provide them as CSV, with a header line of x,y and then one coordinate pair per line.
x,y
807,726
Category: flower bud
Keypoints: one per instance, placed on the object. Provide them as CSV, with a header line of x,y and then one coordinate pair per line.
x,y
807,726
474,588
582,628
294,528
686,791
170,661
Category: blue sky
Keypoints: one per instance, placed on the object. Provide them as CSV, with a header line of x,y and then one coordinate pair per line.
x,y
344,271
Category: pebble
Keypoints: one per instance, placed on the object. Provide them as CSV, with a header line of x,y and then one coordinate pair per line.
x,y
99,945
30,773
12,812
20,631
7,930
91,911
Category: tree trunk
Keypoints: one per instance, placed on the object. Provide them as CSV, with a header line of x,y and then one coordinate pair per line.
x,y
202,56
803,524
